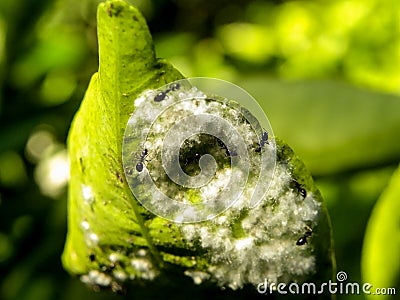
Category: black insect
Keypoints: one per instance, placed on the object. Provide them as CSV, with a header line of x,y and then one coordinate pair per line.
x,y
229,153
174,87
263,141
162,95
303,240
302,191
139,165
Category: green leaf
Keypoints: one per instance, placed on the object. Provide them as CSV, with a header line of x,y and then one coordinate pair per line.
x,y
127,66
112,239
334,127
380,256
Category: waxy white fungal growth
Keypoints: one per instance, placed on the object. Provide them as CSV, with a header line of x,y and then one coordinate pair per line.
x,y
87,194
267,246
245,243
207,164
204,153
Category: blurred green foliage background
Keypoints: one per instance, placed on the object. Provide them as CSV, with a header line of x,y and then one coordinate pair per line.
x,y
327,73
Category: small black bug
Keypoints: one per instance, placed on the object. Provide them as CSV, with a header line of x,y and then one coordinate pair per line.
x,y
231,153
139,165
220,143
160,96
303,240
174,87
263,141
302,191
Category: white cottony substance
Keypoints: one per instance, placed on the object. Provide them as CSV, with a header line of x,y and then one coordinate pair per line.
x,y
205,144
87,194
197,276
96,278
245,241
144,267
267,248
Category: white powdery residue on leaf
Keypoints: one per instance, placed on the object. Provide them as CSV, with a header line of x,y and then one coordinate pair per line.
x,y
96,278
190,231
254,236
312,208
85,225
197,276
215,186
268,248
114,257
141,253
94,238
120,275
221,240
91,238
243,244
143,267
189,211
221,219
87,194
281,179
189,106
141,99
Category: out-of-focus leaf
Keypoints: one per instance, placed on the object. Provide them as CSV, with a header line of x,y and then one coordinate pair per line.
x,y
381,259
55,51
352,40
12,170
253,45
353,192
333,127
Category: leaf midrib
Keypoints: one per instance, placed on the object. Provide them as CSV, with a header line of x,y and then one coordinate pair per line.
x,y
116,94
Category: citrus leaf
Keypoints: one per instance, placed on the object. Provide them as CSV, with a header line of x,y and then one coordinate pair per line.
x,y
112,239
380,256
127,66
